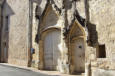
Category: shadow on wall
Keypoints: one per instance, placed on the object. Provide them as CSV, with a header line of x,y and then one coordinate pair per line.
x,y
8,10
92,35
92,38
38,9
6,13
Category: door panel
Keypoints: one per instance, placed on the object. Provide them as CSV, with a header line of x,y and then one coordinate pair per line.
x,y
48,52
56,42
51,50
79,54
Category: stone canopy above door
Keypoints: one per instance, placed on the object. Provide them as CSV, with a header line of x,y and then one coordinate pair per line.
x,y
50,20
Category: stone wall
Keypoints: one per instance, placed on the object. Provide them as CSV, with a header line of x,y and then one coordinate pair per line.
x,y
100,29
5,32
18,33
103,72
66,12
102,16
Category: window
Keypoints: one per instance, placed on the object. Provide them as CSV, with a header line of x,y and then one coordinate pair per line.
x,y
101,51
7,23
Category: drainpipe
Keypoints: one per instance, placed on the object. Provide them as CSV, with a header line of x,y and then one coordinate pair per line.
x,y
30,34
86,12
88,63
87,18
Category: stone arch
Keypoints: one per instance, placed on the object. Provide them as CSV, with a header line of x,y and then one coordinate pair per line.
x,y
50,28
76,41
42,45
76,30
50,18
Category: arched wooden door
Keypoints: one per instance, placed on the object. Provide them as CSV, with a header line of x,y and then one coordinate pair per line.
x,y
79,55
51,49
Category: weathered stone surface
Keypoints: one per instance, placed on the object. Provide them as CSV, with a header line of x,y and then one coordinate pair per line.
x,y
101,19
102,72
35,59
18,32
69,17
102,15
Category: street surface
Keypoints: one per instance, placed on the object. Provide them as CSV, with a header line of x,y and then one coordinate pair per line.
x,y
10,71
15,71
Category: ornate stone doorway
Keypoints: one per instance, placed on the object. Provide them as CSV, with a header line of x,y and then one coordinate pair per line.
x,y
77,48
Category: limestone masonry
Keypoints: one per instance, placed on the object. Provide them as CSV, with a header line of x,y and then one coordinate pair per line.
x,y
69,36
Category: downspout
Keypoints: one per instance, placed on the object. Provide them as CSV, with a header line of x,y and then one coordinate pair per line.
x,y
86,12
30,34
88,62
87,18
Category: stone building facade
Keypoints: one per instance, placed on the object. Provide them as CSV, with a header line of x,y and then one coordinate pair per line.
x,y
15,36
3,33
71,36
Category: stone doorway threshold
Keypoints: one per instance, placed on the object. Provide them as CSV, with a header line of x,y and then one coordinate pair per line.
x,y
50,73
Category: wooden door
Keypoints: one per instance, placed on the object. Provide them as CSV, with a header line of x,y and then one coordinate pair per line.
x,y
51,49
79,55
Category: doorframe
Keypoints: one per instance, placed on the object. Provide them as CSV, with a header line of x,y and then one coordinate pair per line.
x,y
41,64
71,38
